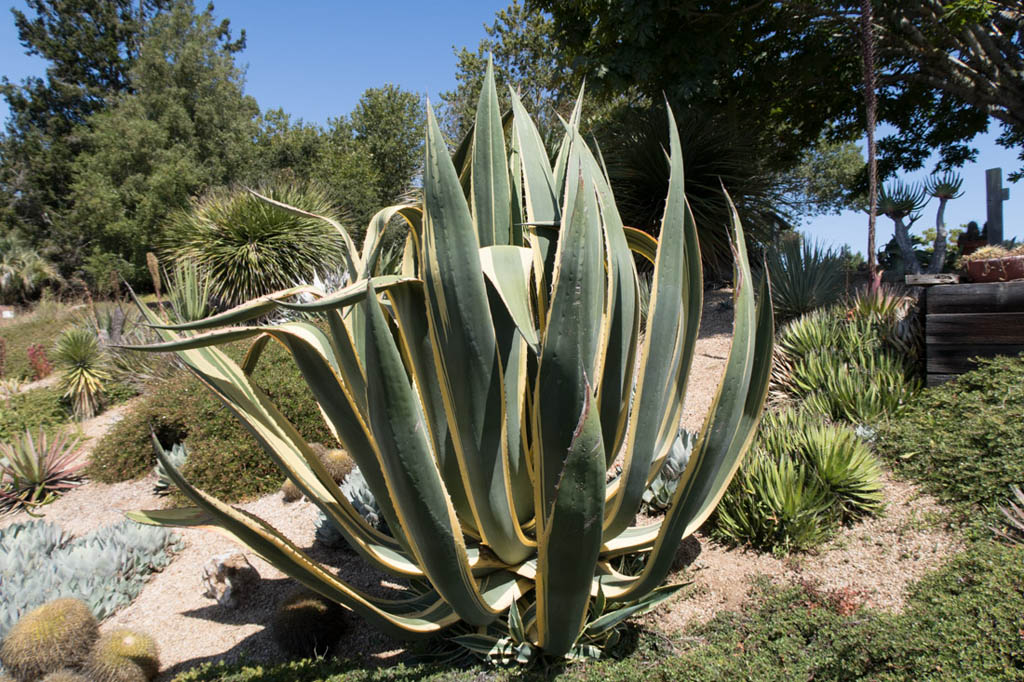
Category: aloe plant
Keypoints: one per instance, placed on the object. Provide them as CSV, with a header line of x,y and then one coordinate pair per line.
x,y
485,392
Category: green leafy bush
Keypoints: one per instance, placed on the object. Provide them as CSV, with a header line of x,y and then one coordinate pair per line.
x,y
223,458
963,440
32,410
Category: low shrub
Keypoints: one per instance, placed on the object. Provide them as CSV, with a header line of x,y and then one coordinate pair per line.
x,y
40,408
224,459
963,440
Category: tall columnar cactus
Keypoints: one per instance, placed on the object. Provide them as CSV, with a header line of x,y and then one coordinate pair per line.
x,y
486,392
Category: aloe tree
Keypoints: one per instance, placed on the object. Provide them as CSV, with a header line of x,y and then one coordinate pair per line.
x,y
899,202
943,187
486,392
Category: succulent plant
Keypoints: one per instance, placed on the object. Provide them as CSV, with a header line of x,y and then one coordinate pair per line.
x,y
34,471
176,456
486,391
659,493
82,365
65,675
106,569
1013,512
123,655
358,493
337,463
55,635
307,624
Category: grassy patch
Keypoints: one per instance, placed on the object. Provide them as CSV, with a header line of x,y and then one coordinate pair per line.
x,y
42,326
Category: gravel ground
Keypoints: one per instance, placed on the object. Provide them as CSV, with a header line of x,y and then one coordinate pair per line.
x,y
872,562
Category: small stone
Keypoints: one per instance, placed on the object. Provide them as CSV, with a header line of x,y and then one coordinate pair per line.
x,y
229,578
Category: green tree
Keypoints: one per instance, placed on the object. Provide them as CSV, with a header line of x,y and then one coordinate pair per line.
x,y
89,47
187,126
525,58
388,123
794,71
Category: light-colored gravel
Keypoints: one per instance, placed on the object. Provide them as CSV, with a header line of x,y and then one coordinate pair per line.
x,y
872,562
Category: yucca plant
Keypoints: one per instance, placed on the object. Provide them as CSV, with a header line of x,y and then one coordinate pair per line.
x,y
248,247
485,393
34,471
188,292
79,358
804,274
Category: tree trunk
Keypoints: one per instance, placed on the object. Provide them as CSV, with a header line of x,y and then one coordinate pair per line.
x,y
939,252
902,232
870,110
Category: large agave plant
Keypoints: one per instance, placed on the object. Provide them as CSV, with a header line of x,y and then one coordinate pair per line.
x,y
486,392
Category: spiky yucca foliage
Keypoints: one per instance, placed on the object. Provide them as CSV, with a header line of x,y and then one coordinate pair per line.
x,y
56,635
248,247
123,656
83,369
306,624
188,291
846,467
715,153
805,275
34,471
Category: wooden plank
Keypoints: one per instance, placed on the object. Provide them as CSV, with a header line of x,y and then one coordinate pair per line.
x,y
939,379
981,328
957,358
992,297
929,279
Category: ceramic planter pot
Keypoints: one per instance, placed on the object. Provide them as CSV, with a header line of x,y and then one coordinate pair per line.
x,y
996,269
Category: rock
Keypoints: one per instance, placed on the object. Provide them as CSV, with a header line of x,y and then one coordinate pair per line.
x,y
229,578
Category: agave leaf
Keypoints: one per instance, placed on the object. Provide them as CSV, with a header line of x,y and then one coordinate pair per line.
x,y
250,310
490,169
652,599
465,350
508,269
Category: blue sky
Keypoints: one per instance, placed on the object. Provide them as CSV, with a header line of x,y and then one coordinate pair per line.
x,y
314,59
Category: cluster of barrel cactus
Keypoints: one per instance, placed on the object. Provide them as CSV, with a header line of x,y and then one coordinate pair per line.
x,y
60,642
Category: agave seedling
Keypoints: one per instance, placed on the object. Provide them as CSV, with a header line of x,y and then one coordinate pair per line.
x,y
486,391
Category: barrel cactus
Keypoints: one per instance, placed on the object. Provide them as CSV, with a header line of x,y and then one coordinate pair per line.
x,y
485,392
307,624
53,636
123,655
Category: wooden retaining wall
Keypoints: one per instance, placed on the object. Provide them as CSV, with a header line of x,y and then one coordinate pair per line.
x,y
964,321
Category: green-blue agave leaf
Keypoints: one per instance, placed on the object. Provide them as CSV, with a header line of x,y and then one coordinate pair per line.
x,y
413,478
508,269
609,620
250,310
465,350
571,460
490,168
657,405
